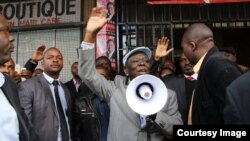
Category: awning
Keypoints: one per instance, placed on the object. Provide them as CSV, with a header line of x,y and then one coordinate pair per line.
x,y
155,2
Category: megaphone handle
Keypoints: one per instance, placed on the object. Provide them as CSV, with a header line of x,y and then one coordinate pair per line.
x,y
158,127
148,125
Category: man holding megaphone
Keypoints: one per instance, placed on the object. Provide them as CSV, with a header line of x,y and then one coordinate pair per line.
x,y
124,123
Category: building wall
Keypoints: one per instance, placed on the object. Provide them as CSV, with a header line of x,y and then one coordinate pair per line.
x,y
55,23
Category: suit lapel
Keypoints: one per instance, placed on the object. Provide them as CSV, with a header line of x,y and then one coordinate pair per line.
x,y
11,94
10,90
69,105
73,86
183,90
48,93
209,55
67,95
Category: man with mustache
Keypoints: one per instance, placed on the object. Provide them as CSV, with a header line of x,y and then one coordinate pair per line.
x,y
46,100
183,86
124,123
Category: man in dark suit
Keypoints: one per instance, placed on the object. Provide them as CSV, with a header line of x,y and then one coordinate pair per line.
x,y
230,53
111,11
215,73
237,101
111,49
74,83
91,112
46,100
17,128
183,86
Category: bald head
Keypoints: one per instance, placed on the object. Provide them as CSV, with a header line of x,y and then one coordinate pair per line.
x,y
6,39
3,23
198,33
197,40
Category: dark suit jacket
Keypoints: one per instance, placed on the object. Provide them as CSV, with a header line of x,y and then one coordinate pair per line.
x,y
183,97
72,89
86,117
36,98
30,66
215,74
238,101
26,131
112,56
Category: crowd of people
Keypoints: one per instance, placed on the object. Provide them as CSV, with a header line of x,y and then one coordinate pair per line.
x,y
92,105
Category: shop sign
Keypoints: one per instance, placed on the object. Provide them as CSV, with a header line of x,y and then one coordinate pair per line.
x,y
38,12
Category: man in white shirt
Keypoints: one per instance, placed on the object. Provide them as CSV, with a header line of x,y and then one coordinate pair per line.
x,y
14,125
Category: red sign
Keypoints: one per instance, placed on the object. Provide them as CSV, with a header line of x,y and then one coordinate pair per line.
x,y
105,44
154,2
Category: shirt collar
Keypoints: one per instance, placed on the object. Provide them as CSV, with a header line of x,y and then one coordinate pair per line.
x,y
2,79
195,76
75,82
198,64
50,79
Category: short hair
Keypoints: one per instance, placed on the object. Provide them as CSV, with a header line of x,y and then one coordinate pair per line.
x,y
52,48
110,3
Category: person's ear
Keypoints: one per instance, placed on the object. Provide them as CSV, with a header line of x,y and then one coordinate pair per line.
x,y
126,70
193,46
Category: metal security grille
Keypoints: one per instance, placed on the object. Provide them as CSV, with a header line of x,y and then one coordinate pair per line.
x,y
141,24
67,40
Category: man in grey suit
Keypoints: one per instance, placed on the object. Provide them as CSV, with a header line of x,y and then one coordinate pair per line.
x,y
124,122
47,103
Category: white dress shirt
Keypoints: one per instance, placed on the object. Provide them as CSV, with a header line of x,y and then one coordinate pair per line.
x,y
9,125
63,102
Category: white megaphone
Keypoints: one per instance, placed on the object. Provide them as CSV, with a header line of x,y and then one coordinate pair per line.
x,y
146,94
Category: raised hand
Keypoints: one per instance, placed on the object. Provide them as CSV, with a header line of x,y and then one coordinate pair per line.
x,y
97,20
162,48
38,54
